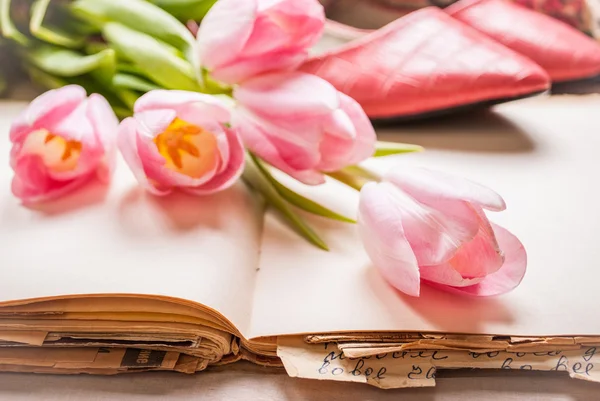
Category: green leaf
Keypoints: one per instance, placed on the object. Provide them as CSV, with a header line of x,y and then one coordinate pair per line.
x,y
68,63
298,200
138,15
7,26
128,81
45,80
151,57
53,35
185,10
257,180
393,148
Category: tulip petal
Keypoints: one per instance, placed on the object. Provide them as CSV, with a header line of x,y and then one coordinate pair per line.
x,y
182,101
261,145
510,274
224,31
127,143
383,235
481,256
434,236
233,170
152,123
337,152
32,184
242,68
445,274
47,110
293,95
304,20
106,125
424,185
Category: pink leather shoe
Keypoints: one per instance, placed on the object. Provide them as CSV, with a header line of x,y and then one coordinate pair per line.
x,y
425,63
565,53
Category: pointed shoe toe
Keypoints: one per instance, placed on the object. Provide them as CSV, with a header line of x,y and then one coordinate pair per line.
x,y
564,52
427,63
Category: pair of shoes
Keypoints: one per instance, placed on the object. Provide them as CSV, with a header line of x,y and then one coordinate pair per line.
x,y
433,61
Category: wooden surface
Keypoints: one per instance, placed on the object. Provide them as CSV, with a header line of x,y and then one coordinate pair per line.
x,y
246,382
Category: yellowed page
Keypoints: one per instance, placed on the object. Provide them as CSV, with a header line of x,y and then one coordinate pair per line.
x,y
402,369
542,155
118,239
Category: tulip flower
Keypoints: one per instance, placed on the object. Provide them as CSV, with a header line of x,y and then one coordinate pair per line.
x,y
179,139
239,39
302,125
61,141
419,226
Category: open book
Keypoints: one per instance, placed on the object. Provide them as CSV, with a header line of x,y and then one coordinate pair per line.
x,y
113,279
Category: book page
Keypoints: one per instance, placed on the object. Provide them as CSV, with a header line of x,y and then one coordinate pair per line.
x,y
118,239
401,369
541,155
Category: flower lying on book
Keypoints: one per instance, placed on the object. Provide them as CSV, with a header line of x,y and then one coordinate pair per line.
x,y
302,125
60,142
420,225
198,114
181,139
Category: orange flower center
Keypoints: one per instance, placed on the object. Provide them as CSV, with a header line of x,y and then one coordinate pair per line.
x,y
188,149
58,154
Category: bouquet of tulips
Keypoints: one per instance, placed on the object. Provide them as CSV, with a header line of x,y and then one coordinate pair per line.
x,y
202,105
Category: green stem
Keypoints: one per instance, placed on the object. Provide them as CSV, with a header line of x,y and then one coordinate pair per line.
x,y
354,176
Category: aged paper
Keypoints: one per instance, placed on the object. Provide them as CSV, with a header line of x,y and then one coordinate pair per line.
x,y
399,369
117,239
539,154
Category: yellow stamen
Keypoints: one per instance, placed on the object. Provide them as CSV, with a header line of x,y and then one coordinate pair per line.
x,y
188,149
58,154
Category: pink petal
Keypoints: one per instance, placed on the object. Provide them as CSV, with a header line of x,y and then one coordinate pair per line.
x,y
232,172
433,235
224,31
424,185
482,255
152,123
103,120
260,144
445,274
304,20
267,36
340,125
105,124
32,184
76,126
47,109
243,68
364,143
294,95
383,235
510,274
127,143
338,153
184,102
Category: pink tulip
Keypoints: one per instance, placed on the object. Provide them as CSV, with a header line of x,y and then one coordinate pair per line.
x,y
420,225
181,139
61,141
302,125
239,39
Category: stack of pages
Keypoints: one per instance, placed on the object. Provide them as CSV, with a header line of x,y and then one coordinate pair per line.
x,y
112,279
